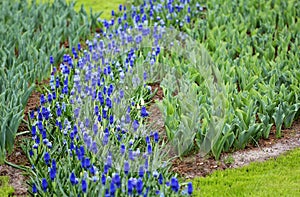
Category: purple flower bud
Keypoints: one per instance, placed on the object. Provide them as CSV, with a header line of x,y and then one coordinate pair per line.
x,y
126,167
141,171
105,139
44,184
160,179
103,179
34,189
122,149
156,136
130,187
174,184
32,114
47,158
84,185
139,186
190,188
51,59
31,153
117,180
135,125
144,112
33,131
149,149
52,173
112,189
42,99
73,179
111,119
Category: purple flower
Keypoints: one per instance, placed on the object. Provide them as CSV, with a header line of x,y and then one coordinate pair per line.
x,y
160,179
33,131
108,103
144,112
156,136
121,94
111,119
139,186
44,184
104,113
84,185
120,7
73,179
85,163
31,153
130,155
103,179
94,147
147,139
34,189
105,139
51,59
112,189
145,76
130,186
122,149
135,125
174,184
126,167
149,149
92,170
127,118
113,13
117,180
40,126
32,114
49,97
190,188
141,171
53,163
47,158
96,110
52,173
58,111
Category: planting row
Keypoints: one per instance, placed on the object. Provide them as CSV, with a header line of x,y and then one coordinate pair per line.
x,y
90,135
30,33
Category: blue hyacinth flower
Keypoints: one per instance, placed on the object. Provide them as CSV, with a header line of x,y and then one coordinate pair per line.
x,y
44,184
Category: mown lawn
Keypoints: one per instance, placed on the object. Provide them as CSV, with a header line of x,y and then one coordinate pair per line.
x,y
275,177
97,6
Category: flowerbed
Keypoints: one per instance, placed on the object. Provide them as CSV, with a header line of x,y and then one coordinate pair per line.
x,y
90,135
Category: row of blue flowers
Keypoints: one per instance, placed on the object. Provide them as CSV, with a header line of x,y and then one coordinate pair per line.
x,y
90,135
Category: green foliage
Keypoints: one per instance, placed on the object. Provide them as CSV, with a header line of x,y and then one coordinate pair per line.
x,y
29,34
5,189
276,177
254,45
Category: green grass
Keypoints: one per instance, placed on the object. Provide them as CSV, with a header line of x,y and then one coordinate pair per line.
x,y
97,6
100,5
275,177
5,189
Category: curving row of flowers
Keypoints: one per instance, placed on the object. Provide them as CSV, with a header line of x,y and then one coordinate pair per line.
x,y
90,135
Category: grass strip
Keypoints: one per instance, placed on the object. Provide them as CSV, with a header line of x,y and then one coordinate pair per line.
x,y
276,177
5,189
